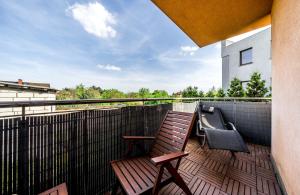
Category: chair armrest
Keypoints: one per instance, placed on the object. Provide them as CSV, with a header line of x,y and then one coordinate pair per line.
x,y
168,157
133,138
231,126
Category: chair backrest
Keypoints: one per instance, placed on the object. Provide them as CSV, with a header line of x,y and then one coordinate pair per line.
x,y
173,133
212,120
57,190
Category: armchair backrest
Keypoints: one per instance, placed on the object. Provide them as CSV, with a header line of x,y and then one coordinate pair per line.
x,y
173,133
212,120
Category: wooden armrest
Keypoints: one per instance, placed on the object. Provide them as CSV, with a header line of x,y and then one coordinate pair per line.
x,y
133,138
168,157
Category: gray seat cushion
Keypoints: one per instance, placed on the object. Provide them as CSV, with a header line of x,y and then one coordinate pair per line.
x,y
225,140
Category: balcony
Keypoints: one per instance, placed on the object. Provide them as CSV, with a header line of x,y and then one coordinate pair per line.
x,y
39,151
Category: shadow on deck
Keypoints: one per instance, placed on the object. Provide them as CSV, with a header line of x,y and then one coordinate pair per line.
x,y
215,172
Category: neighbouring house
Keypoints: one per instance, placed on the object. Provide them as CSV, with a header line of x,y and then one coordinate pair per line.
x,y
252,54
26,91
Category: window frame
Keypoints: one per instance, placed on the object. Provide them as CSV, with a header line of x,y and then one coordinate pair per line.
x,y
241,64
246,82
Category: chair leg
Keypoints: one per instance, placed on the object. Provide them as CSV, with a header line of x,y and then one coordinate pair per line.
x,y
178,179
115,187
157,181
233,155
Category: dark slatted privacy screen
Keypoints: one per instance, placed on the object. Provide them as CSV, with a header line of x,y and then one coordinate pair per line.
x,y
75,147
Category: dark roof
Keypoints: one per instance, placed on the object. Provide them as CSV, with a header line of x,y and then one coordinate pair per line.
x,y
29,86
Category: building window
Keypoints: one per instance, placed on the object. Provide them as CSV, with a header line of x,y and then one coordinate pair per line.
x,y
246,56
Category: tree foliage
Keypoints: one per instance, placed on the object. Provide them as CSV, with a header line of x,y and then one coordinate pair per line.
x,y
211,92
160,94
270,92
256,86
190,92
112,93
93,92
236,88
144,93
220,93
201,93
66,94
79,92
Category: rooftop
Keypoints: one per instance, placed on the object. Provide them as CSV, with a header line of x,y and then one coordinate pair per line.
x,y
29,86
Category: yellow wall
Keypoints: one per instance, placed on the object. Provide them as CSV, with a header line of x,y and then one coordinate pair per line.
x,y
286,92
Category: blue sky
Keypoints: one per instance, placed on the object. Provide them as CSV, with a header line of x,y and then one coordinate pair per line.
x,y
109,43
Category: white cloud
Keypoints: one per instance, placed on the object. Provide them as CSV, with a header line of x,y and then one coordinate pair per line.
x,y
94,18
109,67
188,50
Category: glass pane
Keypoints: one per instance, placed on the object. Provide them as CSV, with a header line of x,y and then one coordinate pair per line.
x,y
246,56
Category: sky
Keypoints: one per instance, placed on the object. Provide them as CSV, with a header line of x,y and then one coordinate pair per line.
x,y
108,43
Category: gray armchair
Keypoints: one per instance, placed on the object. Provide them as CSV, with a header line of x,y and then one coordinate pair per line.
x,y
219,134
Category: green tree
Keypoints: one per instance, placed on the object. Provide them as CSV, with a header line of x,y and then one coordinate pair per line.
x,y
80,92
112,93
190,92
160,94
144,93
201,93
92,93
66,94
270,92
256,86
133,95
220,93
211,92
236,88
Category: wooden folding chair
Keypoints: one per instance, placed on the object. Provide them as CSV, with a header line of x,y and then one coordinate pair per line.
x,y
151,172
57,190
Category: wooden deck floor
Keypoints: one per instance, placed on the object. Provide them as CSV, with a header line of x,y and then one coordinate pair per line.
x,y
215,172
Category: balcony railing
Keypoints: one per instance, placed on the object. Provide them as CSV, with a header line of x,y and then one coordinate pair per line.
x,y
76,146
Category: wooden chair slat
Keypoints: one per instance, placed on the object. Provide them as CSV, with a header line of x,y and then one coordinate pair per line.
x,y
176,124
122,177
155,152
182,113
169,144
176,120
148,178
150,164
162,149
178,129
148,168
135,186
187,118
135,175
173,132
168,147
171,137
166,141
57,190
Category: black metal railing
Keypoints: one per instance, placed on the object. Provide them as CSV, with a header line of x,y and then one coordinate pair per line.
x,y
40,151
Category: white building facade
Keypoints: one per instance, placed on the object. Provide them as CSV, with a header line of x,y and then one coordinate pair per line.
x,y
252,54
11,91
